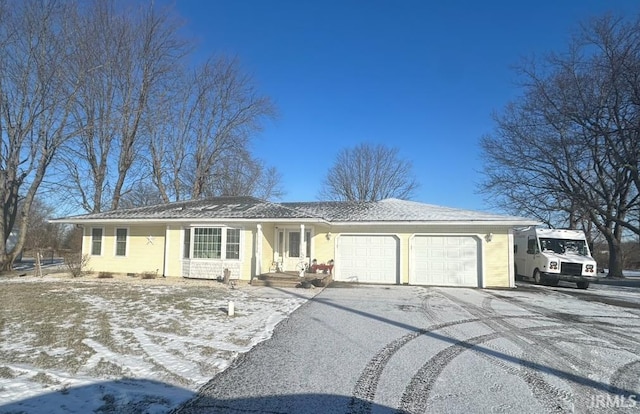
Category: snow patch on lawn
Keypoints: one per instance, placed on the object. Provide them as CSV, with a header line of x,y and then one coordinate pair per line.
x,y
156,355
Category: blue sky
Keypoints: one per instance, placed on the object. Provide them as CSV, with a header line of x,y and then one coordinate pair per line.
x,y
422,76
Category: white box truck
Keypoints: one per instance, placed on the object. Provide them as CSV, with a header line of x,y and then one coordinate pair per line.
x,y
547,256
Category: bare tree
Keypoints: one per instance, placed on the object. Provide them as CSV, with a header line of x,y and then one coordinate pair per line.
x,y
143,193
132,56
212,122
242,174
568,149
36,93
41,234
98,90
369,173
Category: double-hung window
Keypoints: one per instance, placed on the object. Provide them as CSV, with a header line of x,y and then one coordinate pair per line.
x,y
187,244
96,241
121,242
233,244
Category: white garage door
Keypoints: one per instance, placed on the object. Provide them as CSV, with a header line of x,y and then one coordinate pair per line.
x,y
445,261
367,259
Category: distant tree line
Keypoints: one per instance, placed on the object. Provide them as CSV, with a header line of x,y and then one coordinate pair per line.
x,y
102,107
568,150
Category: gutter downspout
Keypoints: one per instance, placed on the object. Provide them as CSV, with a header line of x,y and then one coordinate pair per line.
x,y
165,265
258,253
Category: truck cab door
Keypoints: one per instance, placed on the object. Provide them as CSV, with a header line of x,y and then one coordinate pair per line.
x,y
533,252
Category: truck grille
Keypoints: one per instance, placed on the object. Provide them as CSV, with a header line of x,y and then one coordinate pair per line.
x,y
574,269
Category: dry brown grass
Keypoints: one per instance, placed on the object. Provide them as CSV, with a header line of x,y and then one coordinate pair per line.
x,y
47,322
61,335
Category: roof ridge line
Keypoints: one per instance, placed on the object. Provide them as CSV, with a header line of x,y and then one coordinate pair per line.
x,y
280,204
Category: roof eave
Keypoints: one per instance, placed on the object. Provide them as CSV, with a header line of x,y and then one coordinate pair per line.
x,y
184,220
507,223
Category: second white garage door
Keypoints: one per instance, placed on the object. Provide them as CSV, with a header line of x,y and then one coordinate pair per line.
x,y
367,259
445,261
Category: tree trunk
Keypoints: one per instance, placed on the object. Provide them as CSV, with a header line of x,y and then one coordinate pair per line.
x,y
6,261
615,259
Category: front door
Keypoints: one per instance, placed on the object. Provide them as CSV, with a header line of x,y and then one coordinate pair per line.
x,y
289,249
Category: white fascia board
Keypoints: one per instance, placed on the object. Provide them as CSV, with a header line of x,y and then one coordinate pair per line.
x,y
507,223
184,221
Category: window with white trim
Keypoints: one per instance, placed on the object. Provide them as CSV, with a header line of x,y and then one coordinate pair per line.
x,y
96,241
187,244
294,244
233,244
211,243
207,243
121,241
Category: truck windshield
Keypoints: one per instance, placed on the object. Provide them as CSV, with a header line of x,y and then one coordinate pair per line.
x,y
562,246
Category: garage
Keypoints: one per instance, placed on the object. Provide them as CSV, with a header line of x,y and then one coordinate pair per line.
x,y
445,261
367,259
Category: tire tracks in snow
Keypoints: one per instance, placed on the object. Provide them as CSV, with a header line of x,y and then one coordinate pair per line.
x,y
416,395
621,381
627,376
592,328
551,397
365,389
415,399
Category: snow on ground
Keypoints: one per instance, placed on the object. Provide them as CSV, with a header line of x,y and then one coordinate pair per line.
x,y
123,346
79,346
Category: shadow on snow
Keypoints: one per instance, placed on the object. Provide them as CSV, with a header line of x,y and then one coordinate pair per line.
x,y
126,395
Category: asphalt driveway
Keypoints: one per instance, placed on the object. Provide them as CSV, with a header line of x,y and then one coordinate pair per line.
x,y
380,349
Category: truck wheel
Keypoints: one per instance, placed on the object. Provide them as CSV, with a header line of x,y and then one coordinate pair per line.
x,y
552,281
582,285
537,278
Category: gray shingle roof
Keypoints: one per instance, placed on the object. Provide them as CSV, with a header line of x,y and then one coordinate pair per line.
x,y
215,208
394,210
250,208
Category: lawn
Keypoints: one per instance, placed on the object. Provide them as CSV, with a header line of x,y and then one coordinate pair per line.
x,y
124,344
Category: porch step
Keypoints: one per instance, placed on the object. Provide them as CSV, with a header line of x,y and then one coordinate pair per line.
x,y
289,280
282,283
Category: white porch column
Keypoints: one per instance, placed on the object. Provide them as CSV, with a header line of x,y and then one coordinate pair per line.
x,y
258,250
303,244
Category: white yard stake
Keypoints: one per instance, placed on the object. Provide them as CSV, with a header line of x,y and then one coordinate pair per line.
x,y
231,308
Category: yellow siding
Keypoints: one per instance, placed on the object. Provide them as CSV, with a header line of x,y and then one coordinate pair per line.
x,y
497,265
268,245
145,250
323,248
